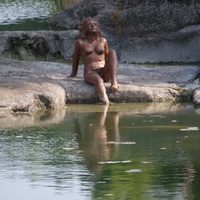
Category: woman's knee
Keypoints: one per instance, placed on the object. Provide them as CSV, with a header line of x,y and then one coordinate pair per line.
x,y
112,57
112,52
99,82
99,85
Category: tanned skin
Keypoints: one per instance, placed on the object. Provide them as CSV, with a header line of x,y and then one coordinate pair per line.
x,y
100,63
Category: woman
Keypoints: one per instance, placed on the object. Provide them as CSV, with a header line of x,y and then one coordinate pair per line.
x,y
100,63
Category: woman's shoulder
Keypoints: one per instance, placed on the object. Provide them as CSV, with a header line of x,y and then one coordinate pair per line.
x,y
102,39
79,41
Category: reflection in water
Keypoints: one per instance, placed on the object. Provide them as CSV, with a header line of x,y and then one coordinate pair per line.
x,y
124,151
36,119
34,161
92,135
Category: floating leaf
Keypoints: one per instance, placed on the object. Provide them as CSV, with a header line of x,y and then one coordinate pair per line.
x,y
112,142
133,171
19,136
190,129
145,162
114,162
67,149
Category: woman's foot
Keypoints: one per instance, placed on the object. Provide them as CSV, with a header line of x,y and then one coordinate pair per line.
x,y
114,85
103,98
114,88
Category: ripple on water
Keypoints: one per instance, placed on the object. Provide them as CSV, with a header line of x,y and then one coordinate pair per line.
x,y
15,11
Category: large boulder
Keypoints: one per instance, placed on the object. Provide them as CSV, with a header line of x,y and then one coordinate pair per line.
x,y
181,46
196,98
27,89
37,45
131,18
144,31
31,87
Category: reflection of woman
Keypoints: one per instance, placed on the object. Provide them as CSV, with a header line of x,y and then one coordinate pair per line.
x,y
92,136
100,64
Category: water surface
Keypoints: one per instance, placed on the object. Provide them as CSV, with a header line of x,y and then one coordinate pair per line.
x,y
124,151
29,15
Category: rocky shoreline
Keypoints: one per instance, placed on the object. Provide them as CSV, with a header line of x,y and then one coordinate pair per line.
x,y
28,87
155,42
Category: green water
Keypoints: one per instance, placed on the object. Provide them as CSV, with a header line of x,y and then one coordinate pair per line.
x,y
124,151
92,152
29,15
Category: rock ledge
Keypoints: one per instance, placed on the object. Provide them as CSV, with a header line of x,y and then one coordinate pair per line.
x,y
34,86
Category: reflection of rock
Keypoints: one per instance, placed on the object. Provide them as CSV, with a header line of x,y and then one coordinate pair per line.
x,y
36,119
129,109
97,129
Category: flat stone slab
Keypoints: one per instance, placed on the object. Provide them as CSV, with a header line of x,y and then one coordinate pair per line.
x,y
34,86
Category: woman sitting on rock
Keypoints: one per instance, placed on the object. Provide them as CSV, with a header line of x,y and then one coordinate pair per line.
x,y
100,63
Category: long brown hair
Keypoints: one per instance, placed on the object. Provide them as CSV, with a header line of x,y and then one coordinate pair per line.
x,y
82,31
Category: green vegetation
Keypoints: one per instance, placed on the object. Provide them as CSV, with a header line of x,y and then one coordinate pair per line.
x,y
58,5
117,20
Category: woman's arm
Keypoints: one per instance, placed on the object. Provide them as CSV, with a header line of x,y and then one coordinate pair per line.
x,y
75,59
106,48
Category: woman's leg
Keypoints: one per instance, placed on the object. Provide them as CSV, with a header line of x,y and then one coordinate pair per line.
x,y
110,70
94,79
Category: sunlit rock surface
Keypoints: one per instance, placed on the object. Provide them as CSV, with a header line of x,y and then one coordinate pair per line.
x,y
196,98
142,31
33,86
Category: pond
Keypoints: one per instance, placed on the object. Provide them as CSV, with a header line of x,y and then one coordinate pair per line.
x,y
91,152
142,151
29,15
